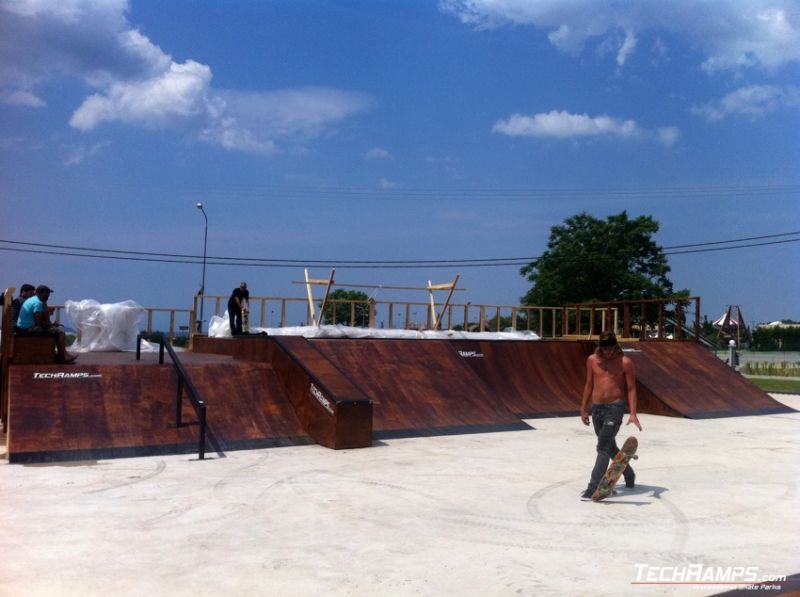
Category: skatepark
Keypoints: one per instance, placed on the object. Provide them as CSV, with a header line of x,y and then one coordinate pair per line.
x,y
362,466
478,514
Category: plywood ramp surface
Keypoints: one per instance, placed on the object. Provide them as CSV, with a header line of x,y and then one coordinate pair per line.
x,y
531,378
418,387
247,407
107,411
695,383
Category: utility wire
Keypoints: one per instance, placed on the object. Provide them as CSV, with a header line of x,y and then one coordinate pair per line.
x,y
217,260
413,264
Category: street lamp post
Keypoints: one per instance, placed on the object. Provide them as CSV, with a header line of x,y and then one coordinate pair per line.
x,y
203,281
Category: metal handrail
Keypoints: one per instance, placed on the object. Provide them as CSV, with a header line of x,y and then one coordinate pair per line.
x,y
183,380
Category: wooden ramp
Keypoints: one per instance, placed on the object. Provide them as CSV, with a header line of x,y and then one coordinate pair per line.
x,y
94,410
340,393
532,379
419,387
685,379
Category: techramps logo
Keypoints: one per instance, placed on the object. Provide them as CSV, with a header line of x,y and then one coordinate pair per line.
x,y
62,375
702,577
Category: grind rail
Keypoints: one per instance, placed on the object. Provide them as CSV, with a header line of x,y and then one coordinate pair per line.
x,y
183,381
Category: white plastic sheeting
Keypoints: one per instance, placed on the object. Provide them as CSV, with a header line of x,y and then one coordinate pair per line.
x,y
105,327
219,327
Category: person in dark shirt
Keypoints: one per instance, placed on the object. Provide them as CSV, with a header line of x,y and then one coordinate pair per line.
x,y
237,304
26,291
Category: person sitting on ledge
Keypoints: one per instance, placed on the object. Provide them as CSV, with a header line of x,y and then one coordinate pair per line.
x,y
26,291
34,318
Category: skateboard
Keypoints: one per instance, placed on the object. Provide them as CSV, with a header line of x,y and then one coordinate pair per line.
x,y
614,472
245,322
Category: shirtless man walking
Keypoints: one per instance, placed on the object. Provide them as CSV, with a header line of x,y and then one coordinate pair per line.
x,y
610,382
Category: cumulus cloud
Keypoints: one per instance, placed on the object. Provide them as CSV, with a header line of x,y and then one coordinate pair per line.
x,y
563,125
730,33
178,92
754,101
136,83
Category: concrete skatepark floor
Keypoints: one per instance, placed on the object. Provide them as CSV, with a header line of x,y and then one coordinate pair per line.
x,y
481,514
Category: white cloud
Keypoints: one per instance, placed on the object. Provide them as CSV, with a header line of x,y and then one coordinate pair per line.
x,y
563,125
136,83
668,135
754,101
257,121
178,92
78,153
387,184
378,153
627,48
730,33
22,98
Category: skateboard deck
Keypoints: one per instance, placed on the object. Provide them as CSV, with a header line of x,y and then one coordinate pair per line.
x,y
246,322
615,469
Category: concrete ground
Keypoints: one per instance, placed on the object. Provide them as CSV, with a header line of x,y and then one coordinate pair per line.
x,y
487,514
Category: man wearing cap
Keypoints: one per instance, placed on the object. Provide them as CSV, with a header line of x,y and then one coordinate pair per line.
x,y
26,291
610,383
34,317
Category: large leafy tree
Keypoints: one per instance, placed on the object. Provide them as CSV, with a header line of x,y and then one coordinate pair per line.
x,y
588,259
339,303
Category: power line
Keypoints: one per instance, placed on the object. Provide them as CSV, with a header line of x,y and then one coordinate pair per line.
x,y
218,260
152,257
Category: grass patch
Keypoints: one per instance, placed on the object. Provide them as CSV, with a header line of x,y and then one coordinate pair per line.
x,y
777,384
782,369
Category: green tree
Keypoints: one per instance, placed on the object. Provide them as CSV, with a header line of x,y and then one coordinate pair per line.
x,y
340,302
588,260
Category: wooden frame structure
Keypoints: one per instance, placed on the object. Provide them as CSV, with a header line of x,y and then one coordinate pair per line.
x,y
434,318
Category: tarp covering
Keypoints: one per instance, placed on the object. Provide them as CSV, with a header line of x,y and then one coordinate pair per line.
x,y
219,327
105,327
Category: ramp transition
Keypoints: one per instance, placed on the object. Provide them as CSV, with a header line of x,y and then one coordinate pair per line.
x,y
532,379
419,387
686,379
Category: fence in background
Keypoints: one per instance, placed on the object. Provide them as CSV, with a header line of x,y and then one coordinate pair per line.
x,y
646,319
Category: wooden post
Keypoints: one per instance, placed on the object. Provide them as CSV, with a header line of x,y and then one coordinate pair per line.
x,y
626,320
643,321
328,284
697,327
450,287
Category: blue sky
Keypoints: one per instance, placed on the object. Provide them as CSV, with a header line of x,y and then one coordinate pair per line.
x,y
395,131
